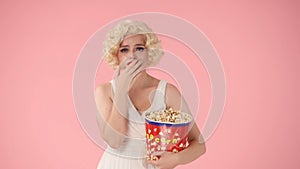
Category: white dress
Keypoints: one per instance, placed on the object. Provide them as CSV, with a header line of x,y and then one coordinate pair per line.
x,y
131,154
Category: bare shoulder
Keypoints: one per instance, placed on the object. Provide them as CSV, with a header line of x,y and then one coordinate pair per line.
x,y
173,97
103,100
103,90
172,90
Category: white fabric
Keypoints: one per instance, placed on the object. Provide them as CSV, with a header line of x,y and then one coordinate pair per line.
x,y
132,153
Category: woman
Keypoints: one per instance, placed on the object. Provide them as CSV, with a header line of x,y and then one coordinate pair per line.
x,y
130,48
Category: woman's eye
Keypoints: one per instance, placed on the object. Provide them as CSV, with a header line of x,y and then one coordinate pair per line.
x,y
124,50
140,49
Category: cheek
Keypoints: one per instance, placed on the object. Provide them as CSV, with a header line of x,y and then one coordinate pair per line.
x,y
120,58
143,55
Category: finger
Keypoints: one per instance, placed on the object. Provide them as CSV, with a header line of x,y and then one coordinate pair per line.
x,y
131,66
124,63
138,70
158,153
153,162
117,72
135,69
129,61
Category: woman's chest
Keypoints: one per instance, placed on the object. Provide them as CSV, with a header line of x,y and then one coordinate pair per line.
x,y
142,99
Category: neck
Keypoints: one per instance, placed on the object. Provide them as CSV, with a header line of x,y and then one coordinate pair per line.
x,y
139,80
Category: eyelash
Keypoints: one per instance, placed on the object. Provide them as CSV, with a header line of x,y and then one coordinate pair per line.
x,y
140,48
124,50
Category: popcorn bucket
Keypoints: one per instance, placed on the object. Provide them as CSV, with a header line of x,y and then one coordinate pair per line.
x,y
165,136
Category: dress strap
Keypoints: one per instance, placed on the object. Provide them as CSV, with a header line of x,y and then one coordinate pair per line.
x,y
159,101
162,87
113,85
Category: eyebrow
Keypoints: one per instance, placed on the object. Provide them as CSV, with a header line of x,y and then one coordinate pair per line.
x,y
134,45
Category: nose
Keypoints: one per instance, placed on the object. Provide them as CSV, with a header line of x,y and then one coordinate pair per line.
x,y
131,54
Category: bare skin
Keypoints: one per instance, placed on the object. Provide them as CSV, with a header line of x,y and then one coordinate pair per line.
x,y
136,83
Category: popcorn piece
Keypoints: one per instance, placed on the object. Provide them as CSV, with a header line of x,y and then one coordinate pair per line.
x,y
154,158
169,115
153,143
175,150
158,148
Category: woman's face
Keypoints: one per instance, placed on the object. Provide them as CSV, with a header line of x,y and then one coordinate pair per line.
x,y
133,46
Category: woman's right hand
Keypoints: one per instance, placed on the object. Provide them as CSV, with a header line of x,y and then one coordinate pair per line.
x,y
126,71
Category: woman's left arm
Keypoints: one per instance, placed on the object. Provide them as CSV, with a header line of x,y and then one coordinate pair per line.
x,y
169,160
194,150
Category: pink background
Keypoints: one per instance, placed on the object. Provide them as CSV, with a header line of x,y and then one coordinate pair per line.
x,y
258,44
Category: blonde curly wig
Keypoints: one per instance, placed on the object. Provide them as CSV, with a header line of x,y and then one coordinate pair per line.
x,y
128,27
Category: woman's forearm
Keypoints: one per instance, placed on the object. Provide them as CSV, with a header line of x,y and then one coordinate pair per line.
x,y
191,153
116,127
